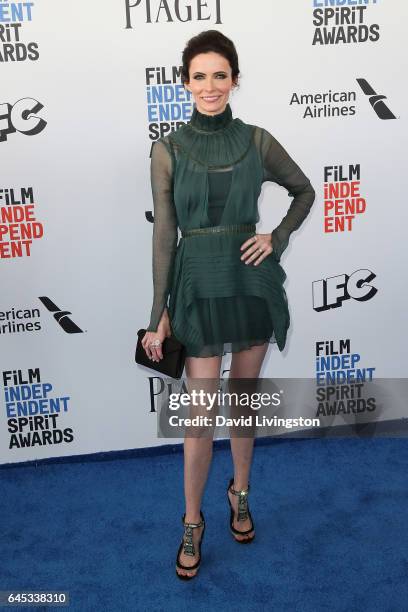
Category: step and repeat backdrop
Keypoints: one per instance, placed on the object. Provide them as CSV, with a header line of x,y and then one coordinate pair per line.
x,y
86,88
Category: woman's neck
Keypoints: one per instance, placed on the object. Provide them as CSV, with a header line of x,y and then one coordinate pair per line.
x,y
211,123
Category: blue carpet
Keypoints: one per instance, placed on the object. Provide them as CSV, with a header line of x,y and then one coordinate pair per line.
x,y
330,518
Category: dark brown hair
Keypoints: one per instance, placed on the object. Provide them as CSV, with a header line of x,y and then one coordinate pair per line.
x,y
209,40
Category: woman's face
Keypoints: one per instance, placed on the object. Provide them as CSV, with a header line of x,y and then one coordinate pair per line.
x,y
210,82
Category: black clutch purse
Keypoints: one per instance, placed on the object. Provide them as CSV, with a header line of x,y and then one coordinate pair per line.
x,y
174,356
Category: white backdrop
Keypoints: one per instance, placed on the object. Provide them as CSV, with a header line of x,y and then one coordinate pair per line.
x,y
82,68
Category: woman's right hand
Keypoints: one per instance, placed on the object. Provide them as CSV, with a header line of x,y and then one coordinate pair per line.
x,y
155,352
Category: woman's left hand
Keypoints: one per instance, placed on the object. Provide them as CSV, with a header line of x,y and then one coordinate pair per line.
x,y
257,248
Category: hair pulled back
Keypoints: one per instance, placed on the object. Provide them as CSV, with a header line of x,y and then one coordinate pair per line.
x,y
205,42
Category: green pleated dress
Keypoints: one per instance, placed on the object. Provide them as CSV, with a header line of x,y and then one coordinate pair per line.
x,y
210,173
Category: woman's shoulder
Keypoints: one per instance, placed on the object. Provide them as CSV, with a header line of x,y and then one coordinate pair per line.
x,y
163,141
260,133
163,146
173,139
263,138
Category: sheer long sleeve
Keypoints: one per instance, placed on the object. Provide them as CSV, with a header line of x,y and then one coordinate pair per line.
x,y
164,240
280,168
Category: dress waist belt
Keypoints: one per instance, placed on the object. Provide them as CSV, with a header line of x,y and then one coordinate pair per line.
x,y
223,229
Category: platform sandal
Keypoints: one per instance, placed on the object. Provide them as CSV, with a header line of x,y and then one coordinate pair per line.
x,y
187,546
243,513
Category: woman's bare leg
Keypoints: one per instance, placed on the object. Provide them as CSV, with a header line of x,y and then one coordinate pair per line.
x,y
197,452
244,364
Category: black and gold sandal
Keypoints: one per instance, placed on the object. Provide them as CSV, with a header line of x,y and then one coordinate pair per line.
x,y
187,546
243,513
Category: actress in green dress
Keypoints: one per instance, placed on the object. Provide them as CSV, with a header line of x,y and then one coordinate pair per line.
x,y
220,288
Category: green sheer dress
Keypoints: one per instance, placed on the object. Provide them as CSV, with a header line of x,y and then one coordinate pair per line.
x,y
210,173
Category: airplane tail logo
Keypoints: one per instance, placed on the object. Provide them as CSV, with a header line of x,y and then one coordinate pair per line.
x,y
376,100
61,316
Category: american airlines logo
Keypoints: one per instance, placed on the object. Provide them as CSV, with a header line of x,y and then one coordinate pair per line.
x,y
376,100
61,316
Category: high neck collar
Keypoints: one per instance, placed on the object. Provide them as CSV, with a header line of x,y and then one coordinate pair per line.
x,y
211,123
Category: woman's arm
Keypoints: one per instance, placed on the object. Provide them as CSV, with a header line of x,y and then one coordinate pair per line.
x,y
280,168
164,240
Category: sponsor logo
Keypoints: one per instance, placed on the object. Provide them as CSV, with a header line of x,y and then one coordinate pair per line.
x,y
333,291
169,104
13,18
21,117
343,22
33,411
376,100
171,11
342,198
19,226
61,316
339,103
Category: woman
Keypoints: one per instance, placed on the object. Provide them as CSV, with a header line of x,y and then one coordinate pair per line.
x,y
224,279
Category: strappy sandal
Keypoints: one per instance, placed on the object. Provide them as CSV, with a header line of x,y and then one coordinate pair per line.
x,y
243,513
187,546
